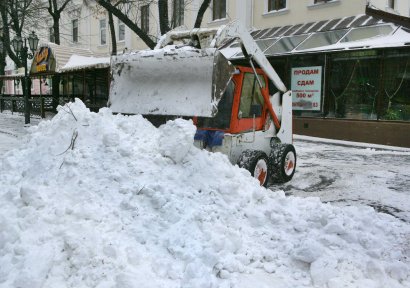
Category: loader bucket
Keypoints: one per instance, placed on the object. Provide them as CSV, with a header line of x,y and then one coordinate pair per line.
x,y
179,81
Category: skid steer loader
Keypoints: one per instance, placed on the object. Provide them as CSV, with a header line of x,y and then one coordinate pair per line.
x,y
235,108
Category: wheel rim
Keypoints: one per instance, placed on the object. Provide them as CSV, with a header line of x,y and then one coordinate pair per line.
x,y
289,165
261,171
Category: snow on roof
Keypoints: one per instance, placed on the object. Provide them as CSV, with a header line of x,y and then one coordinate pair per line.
x,y
112,201
77,62
63,53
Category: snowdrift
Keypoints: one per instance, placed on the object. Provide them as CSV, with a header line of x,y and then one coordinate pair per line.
x,y
102,200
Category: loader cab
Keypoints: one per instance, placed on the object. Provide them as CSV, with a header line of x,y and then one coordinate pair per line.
x,y
242,107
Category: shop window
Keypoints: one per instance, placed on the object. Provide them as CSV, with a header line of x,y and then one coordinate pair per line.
x,y
274,5
75,30
121,30
322,39
103,32
396,88
251,98
218,9
178,13
145,18
367,32
354,88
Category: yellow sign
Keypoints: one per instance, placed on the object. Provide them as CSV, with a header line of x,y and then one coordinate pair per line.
x,y
41,60
41,68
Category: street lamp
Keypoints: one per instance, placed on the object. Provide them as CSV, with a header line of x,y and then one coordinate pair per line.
x,y
21,50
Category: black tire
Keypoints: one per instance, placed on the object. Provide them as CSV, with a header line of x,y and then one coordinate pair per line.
x,y
254,161
282,162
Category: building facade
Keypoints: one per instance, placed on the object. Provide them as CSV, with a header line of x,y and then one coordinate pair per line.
x,y
362,61
86,26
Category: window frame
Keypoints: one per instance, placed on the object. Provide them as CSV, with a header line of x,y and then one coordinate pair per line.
x,y
144,10
51,36
248,100
75,30
217,13
119,25
178,11
271,4
103,29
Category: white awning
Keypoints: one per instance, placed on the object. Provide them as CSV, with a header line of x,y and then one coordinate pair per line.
x,y
77,62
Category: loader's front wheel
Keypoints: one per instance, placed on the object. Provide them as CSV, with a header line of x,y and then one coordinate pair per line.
x,y
282,162
257,163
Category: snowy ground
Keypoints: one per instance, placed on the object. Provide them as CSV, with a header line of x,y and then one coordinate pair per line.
x,y
347,173
342,173
96,200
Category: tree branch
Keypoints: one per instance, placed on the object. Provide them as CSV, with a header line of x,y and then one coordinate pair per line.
x,y
124,18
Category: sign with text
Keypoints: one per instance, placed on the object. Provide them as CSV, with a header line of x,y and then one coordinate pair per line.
x,y
307,88
43,61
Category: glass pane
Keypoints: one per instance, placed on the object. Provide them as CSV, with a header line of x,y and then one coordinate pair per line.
x,y
285,44
222,120
103,37
266,43
354,89
396,82
238,55
322,39
367,32
121,32
251,95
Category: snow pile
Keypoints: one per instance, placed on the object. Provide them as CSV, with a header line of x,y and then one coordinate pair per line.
x,y
97,200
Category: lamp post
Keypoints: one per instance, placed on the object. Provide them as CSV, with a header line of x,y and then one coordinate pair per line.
x,y
21,50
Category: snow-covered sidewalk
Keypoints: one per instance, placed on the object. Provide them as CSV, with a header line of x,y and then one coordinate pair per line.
x,y
97,200
347,173
12,129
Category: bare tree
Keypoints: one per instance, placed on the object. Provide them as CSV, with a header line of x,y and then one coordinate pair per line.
x,y
15,15
55,8
115,9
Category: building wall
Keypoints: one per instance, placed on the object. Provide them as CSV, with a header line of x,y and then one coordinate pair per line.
x,y
303,11
402,7
252,13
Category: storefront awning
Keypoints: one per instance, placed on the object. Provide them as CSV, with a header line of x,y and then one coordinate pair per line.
x,y
349,33
77,62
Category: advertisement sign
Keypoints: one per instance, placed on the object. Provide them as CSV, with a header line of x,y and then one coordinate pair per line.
x,y
43,61
307,88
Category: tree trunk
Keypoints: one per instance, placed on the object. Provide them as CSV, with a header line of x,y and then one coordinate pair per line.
x,y
6,35
163,16
201,12
56,29
112,30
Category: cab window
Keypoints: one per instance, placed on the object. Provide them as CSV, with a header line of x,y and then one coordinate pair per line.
x,y
251,99
222,120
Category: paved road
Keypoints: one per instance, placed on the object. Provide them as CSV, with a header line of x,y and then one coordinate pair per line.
x,y
346,175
